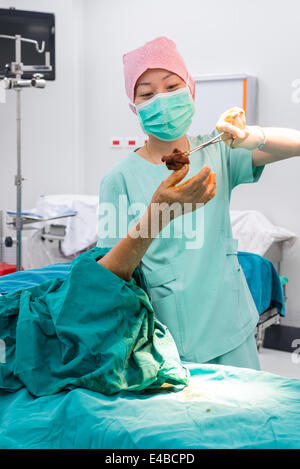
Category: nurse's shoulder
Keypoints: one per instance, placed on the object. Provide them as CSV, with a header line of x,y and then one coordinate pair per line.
x,y
118,174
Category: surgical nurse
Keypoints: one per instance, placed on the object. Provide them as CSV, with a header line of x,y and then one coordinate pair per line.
x,y
197,287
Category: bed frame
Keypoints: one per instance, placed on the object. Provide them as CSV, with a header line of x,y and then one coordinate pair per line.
x,y
271,316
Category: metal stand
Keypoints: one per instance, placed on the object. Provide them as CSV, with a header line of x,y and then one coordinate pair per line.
x,y
18,183
15,71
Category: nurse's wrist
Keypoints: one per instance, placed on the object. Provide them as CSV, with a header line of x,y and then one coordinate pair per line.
x,y
256,138
261,137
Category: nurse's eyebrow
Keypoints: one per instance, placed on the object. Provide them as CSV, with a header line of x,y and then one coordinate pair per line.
x,y
169,75
164,78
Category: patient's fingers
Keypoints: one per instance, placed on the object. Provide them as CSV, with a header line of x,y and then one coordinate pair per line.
x,y
209,194
206,192
202,188
176,176
214,192
211,189
195,182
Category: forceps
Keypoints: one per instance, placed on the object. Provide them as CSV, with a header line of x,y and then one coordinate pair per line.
x,y
216,139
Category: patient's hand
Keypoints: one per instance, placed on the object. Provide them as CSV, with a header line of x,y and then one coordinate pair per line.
x,y
199,189
123,258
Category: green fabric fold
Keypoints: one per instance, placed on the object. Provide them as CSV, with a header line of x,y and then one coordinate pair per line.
x,y
92,330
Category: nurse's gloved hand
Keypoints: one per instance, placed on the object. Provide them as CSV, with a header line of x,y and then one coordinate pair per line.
x,y
187,196
236,133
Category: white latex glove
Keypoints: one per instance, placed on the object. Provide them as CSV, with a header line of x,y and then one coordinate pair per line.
x,y
237,133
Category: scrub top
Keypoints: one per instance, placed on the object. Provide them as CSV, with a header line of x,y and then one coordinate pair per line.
x,y
196,285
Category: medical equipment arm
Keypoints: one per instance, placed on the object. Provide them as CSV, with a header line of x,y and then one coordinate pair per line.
x,y
124,257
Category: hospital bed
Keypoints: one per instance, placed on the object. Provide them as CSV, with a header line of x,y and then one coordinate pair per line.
x,y
258,236
273,314
223,407
63,240
58,228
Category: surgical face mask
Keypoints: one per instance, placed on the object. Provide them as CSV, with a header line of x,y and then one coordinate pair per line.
x,y
168,115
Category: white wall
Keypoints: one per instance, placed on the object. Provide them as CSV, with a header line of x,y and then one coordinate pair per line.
x,y
258,37
68,126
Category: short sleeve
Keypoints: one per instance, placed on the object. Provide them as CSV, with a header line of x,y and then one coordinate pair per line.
x,y
113,219
240,169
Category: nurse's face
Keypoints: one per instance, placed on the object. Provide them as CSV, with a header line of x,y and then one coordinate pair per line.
x,y
154,81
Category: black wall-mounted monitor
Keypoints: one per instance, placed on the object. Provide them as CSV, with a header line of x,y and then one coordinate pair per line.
x,y
30,25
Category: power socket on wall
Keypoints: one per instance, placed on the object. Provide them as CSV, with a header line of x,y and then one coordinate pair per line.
x,y
128,142
116,142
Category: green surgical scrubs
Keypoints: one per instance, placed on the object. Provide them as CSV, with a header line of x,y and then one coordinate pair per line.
x,y
197,287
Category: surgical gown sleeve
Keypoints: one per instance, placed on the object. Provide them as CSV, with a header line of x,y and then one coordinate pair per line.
x,y
240,169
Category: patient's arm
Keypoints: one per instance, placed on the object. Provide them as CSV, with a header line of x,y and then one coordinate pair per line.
x,y
123,258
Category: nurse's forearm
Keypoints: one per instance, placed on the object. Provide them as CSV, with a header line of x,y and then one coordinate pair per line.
x,y
280,144
126,255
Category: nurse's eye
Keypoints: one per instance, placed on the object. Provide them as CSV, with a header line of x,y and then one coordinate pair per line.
x,y
171,87
146,95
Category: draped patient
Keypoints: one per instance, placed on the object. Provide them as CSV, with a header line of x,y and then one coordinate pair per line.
x,y
96,328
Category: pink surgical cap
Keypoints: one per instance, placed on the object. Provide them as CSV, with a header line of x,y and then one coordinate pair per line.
x,y
158,53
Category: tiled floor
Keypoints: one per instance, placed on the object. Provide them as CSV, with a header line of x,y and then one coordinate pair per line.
x,y
280,363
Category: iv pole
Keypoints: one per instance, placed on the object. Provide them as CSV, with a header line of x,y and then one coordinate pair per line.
x,y
17,68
